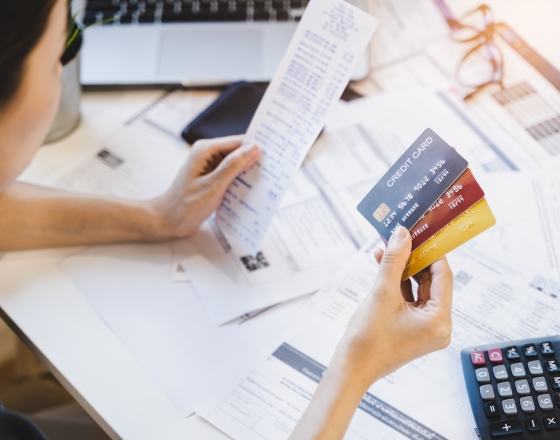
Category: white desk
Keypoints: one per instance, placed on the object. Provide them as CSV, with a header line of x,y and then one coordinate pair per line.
x,y
57,323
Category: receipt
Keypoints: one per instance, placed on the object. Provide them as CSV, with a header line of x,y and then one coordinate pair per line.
x,y
316,68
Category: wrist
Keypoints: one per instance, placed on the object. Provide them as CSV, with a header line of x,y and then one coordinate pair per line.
x,y
354,369
153,223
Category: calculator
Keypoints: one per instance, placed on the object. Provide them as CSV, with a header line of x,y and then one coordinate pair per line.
x,y
514,388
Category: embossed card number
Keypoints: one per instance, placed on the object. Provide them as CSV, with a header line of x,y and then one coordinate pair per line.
x,y
413,184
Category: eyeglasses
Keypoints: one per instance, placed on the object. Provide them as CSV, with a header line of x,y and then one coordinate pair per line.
x,y
73,43
483,65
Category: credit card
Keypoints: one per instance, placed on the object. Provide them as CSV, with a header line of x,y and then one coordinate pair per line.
x,y
416,181
461,195
468,225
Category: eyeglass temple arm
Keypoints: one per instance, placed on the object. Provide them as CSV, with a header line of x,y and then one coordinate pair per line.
x,y
481,88
452,22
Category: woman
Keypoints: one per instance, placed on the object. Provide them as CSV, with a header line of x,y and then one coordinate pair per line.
x,y
389,329
32,39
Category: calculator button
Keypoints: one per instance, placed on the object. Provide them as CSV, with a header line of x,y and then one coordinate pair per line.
x,y
527,404
491,409
522,387
504,389
500,372
530,350
539,384
532,424
555,382
535,368
512,353
482,375
477,358
558,398
495,355
518,370
546,348
551,422
487,392
552,365
545,401
509,406
506,428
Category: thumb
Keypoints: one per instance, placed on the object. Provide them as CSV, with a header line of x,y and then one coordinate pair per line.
x,y
395,257
235,163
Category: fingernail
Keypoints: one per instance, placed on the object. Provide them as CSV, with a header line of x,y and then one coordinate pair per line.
x,y
253,152
398,235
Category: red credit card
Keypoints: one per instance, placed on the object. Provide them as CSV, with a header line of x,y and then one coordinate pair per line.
x,y
460,196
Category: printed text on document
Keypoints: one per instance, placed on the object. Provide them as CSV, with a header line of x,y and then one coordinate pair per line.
x,y
314,72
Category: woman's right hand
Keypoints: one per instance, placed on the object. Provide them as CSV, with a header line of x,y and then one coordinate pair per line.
x,y
200,186
391,327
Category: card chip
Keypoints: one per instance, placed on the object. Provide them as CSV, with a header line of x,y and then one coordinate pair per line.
x,y
381,212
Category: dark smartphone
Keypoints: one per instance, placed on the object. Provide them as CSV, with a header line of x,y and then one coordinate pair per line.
x,y
230,114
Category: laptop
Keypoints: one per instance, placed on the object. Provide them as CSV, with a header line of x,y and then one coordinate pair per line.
x,y
189,42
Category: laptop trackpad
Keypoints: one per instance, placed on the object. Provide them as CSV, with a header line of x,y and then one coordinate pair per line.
x,y
210,53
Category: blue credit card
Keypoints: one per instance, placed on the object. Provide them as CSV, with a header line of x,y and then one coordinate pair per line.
x,y
413,184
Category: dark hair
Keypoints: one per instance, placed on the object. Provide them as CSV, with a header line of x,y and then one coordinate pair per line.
x,y
22,24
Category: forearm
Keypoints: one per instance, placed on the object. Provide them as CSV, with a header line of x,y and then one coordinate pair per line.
x,y
333,404
37,217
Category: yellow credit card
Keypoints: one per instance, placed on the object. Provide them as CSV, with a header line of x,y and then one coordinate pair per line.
x,y
468,225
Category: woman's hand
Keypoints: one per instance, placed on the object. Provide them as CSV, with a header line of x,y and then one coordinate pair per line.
x,y
200,186
389,329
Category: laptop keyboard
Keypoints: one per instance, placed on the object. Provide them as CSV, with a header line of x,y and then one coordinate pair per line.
x,y
127,12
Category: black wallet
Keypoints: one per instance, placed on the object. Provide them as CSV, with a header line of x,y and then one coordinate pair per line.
x,y
230,114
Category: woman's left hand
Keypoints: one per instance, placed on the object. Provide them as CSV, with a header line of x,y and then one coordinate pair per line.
x,y
200,186
389,329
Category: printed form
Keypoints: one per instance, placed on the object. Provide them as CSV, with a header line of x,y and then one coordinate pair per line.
x,y
162,323
425,399
316,68
528,219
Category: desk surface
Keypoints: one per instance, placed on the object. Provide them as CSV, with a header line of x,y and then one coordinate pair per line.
x,y
55,320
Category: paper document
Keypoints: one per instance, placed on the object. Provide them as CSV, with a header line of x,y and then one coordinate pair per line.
x,y
418,71
405,28
103,173
316,68
492,302
163,324
141,159
528,216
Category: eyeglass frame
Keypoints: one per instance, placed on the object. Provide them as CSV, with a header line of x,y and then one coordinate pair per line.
x,y
486,38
